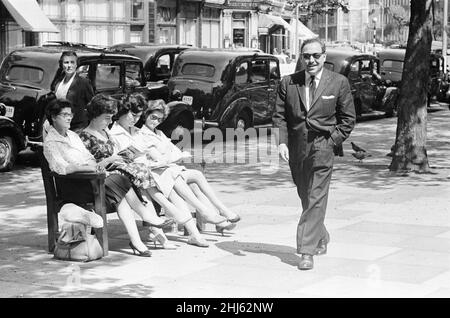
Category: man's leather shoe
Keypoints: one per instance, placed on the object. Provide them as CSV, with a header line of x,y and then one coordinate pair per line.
x,y
321,248
306,262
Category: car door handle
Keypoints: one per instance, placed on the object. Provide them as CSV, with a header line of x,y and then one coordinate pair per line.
x,y
270,89
383,73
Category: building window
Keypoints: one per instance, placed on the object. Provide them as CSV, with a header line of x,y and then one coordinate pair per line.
x,y
96,35
118,10
167,35
51,8
188,24
187,31
45,37
166,15
239,27
96,9
137,10
135,36
118,34
211,28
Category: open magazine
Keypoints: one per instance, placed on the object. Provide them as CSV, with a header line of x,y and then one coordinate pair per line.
x,y
130,153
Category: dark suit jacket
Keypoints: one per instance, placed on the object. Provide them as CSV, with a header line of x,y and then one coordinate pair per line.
x,y
332,112
80,94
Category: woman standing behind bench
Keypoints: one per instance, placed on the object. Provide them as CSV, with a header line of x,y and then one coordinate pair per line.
x,y
66,153
74,88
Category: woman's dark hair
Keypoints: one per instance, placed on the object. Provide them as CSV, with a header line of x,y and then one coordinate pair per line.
x,y
54,108
67,53
156,105
135,102
101,104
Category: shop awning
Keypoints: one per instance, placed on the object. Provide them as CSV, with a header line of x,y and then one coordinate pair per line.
x,y
303,31
215,1
267,21
29,16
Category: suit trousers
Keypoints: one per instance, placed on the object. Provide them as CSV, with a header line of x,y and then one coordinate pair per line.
x,y
312,176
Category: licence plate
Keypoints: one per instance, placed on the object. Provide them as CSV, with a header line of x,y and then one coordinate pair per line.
x,y
188,99
9,111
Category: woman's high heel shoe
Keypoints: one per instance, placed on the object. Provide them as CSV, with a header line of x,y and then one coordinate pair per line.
x,y
145,253
162,240
197,242
225,226
163,225
236,219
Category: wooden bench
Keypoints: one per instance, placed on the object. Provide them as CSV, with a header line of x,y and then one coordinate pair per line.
x,y
55,200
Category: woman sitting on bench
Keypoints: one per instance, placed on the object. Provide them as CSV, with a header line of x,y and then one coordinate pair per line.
x,y
66,153
178,184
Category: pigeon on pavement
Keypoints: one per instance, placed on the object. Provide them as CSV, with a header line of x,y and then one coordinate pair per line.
x,y
359,153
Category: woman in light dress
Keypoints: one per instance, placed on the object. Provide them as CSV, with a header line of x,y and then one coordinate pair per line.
x,y
170,178
66,153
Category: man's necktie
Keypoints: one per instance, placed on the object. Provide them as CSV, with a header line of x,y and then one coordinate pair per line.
x,y
312,88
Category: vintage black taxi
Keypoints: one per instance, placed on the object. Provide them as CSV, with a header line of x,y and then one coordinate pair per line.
x,y
370,95
28,74
158,59
391,66
227,88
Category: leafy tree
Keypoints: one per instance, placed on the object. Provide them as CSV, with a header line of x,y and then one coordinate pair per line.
x,y
410,152
400,17
309,8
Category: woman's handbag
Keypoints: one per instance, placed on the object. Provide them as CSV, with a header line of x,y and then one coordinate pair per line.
x,y
76,243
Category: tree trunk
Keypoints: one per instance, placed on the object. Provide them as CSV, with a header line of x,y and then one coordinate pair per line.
x,y
410,152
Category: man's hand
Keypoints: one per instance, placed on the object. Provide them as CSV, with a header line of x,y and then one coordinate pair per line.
x,y
284,152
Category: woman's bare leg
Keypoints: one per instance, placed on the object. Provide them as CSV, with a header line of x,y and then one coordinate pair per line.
x,y
186,193
126,215
180,215
195,176
191,226
147,213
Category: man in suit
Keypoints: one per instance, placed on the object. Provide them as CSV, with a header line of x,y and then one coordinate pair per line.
x,y
314,113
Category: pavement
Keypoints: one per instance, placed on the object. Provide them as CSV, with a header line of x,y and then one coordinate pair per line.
x,y
390,235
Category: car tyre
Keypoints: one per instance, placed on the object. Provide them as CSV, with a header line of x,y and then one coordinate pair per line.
x,y
8,153
242,120
184,122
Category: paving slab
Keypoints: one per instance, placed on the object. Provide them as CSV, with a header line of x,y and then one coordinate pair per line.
x,y
390,235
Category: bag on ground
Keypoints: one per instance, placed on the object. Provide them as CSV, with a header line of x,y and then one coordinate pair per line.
x,y
76,243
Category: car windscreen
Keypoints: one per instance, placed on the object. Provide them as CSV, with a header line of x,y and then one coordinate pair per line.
x,y
393,64
24,74
196,69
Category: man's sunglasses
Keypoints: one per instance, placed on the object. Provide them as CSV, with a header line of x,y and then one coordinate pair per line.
x,y
316,56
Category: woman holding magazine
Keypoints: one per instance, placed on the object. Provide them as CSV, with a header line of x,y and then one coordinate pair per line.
x,y
66,154
98,139
170,178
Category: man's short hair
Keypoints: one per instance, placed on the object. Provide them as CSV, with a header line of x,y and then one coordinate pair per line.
x,y
315,40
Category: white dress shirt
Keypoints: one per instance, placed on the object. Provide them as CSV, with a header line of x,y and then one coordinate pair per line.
x,y
307,82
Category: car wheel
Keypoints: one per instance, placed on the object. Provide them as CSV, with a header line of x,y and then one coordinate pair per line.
x,y
8,153
242,120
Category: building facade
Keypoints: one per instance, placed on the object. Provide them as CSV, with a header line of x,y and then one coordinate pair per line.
x,y
352,26
97,22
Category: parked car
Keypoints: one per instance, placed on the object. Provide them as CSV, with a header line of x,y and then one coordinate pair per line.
x,y
158,59
28,74
391,66
227,88
369,92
